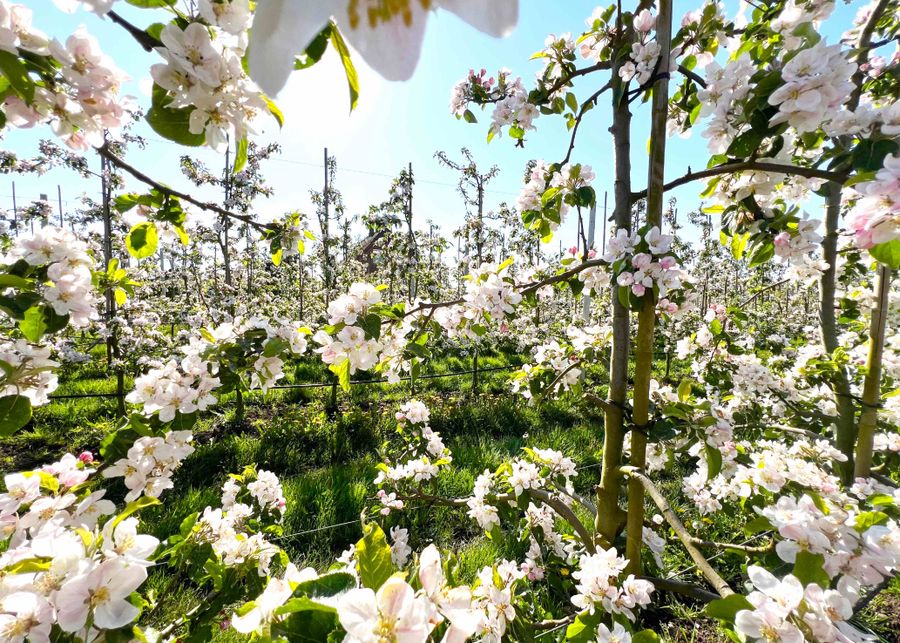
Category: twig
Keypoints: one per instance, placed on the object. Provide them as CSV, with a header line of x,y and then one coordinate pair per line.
x,y
581,112
747,549
683,535
692,75
757,166
554,623
145,40
211,207
752,297
685,589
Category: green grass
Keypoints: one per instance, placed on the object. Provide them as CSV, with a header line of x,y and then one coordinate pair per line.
x,y
326,462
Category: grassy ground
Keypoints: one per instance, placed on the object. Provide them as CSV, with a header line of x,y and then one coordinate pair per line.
x,y
326,463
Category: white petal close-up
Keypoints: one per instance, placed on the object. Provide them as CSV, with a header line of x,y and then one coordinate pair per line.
x,y
282,30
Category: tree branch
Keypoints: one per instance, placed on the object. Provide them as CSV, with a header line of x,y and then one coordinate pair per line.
x,y
685,589
145,40
210,207
692,75
581,112
684,536
756,166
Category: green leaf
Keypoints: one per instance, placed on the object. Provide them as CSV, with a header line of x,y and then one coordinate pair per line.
x,y
240,155
14,70
584,628
469,117
725,609
645,636
14,281
809,568
171,123
684,390
746,143
306,621
133,506
314,50
326,586
869,519
713,461
342,370
371,324
142,240
869,154
373,557
274,111
33,325
15,412
352,79
887,253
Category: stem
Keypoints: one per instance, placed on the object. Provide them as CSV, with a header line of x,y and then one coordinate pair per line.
x,y
647,316
683,535
685,589
757,166
845,436
871,398
610,516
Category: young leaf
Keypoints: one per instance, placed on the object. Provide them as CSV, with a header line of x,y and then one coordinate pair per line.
x,y
373,557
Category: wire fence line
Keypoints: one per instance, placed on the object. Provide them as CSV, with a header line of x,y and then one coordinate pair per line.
x,y
309,385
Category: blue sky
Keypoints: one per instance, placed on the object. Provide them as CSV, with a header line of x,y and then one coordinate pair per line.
x,y
394,124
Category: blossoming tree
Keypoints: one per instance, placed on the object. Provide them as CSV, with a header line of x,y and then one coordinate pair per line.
x,y
788,445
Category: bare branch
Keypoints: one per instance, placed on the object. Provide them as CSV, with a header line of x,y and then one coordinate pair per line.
x,y
684,536
210,207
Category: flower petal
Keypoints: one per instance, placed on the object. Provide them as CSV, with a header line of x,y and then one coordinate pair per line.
x,y
282,29
391,47
496,18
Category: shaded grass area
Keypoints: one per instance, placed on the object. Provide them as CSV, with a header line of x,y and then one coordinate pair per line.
x,y
326,461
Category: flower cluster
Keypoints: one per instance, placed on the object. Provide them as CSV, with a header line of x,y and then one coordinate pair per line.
x,y
421,450
816,81
784,608
551,190
30,371
510,98
232,532
259,491
725,87
204,73
599,585
84,102
859,554
796,248
89,573
490,295
150,463
875,218
643,262
176,387
70,287
540,469
644,53
556,366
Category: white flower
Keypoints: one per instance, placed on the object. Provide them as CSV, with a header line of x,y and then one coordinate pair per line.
x,y
393,613
25,615
388,36
103,593
617,635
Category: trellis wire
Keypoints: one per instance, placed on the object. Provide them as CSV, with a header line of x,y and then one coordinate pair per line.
x,y
380,380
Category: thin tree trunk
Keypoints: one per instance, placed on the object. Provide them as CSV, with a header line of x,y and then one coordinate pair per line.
x,y
871,398
610,516
845,436
647,315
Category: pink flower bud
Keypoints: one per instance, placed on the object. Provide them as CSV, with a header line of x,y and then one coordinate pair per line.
x,y
86,457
